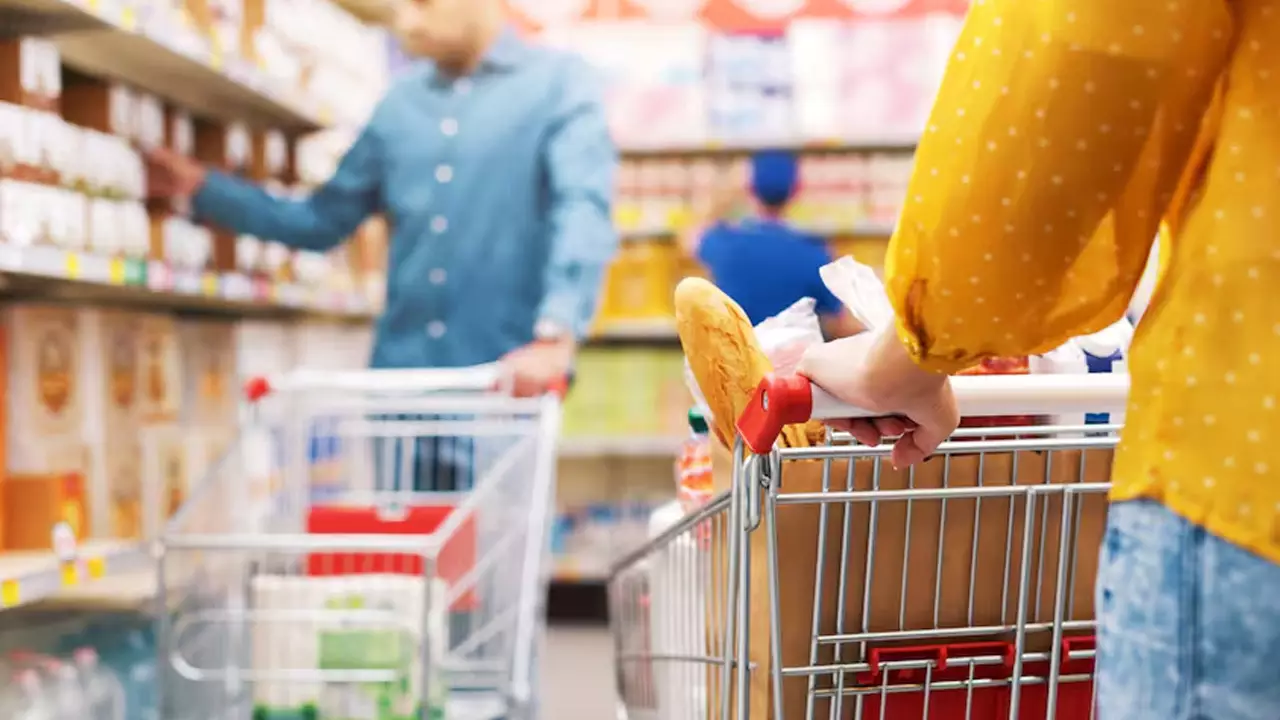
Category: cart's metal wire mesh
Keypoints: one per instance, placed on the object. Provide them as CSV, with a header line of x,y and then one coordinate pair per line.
x,y
425,598
960,588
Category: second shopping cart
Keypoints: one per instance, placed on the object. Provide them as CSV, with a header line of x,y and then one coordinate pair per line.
x,y
825,583
317,573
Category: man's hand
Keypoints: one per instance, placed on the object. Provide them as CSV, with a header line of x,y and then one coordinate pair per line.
x,y
170,174
539,366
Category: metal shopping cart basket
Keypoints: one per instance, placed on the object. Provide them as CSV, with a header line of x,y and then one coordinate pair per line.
x,y
825,583
320,573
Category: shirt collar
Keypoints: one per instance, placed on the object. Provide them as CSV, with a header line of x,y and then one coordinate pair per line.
x,y
507,52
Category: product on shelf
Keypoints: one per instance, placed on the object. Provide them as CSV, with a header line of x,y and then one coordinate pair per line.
x,y
164,461
45,448
693,465
30,73
112,380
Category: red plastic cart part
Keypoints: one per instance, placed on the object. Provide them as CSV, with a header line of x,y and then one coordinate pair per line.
x,y
938,655
777,402
257,388
457,558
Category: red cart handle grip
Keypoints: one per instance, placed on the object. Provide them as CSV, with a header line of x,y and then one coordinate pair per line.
x,y
789,399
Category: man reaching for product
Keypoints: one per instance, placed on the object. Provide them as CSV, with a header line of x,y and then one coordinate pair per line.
x,y
492,162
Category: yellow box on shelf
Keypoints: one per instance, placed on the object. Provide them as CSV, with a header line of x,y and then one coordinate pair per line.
x,y
116,272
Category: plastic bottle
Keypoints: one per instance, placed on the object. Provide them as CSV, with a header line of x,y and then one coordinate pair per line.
x,y
63,689
694,481
22,697
103,691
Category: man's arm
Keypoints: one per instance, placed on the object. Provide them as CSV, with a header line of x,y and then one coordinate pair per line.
x,y
581,163
320,222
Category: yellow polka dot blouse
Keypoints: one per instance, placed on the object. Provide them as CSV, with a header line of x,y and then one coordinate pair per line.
x,y
1065,134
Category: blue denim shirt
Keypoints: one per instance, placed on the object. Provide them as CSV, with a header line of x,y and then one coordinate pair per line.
x,y
498,188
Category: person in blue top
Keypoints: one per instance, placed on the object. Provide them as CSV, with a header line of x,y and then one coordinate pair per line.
x,y
764,263
492,161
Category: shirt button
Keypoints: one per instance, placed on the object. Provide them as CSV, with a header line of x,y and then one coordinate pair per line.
x,y
435,329
439,224
444,173
437,276
449,127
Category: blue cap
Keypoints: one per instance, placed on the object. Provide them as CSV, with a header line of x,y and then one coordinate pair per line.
x,y
774,176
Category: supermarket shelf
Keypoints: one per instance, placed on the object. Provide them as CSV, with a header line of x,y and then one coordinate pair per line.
x,y
111,38
566,572
53,273
620,447
32,577
906,143
658,330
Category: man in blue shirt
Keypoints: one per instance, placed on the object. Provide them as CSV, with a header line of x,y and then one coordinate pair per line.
x,y
492,161
762,262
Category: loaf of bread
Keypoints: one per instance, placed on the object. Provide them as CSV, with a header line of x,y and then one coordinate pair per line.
x,y
726,358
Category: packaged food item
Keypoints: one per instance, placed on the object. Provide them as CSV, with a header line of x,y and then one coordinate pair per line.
x,y
693,465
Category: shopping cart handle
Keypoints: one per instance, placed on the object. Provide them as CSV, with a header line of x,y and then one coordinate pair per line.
x,y
478,378
788,399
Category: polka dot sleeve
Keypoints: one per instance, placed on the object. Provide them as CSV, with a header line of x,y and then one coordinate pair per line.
x,y
1055,144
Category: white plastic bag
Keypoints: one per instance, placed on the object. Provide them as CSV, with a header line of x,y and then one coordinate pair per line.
x,y
783,337
859,289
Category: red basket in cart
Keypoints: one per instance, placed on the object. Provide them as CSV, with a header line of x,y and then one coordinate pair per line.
x,y
457,558
974,688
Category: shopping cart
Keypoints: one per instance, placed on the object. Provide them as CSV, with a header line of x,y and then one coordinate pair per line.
x,y
825,583
312,576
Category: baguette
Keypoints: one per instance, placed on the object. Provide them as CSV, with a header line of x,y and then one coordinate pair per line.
x,y
726,359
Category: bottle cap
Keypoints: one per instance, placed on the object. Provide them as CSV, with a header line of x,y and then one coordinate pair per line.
x,y
697,423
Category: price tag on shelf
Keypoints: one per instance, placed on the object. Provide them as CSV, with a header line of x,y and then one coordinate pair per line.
x,y
10,593
236,286
262,291
72,269
129,18
96,568
159,278
209,285
116,274
70,574
10,257
135,273
628,218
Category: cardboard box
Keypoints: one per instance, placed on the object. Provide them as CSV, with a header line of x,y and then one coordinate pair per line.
x,y
111,376
44,390
161,365
272,157
921,565
34,504
30,73
103,105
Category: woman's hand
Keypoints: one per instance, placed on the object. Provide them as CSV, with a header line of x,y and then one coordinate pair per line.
x,y
873,371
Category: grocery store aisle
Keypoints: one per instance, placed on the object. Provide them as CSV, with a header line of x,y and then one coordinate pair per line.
x,y
579,675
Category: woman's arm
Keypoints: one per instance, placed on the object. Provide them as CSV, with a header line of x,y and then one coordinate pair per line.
x,y
1056,143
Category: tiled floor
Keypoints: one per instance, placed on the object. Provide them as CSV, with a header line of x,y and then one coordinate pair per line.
x,y
579,675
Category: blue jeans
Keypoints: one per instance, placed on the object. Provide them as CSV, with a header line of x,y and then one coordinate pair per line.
x,y
1188,624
